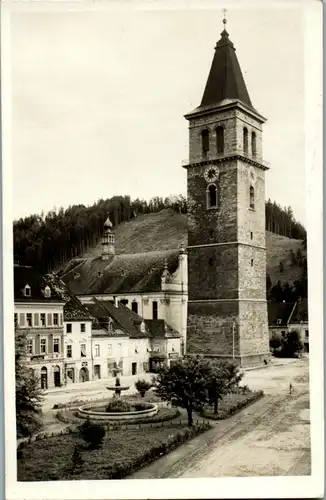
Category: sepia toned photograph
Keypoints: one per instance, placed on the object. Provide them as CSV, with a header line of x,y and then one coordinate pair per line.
x,y
162,323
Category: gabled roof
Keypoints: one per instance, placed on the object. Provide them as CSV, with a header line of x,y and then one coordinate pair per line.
x,y
124,320
102,318
25,275
73,310
279,313
131,273
159,328
300,312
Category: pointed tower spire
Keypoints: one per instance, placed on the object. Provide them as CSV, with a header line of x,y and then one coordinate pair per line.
x,y
225,80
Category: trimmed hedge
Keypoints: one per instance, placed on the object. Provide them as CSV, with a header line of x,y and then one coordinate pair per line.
x,y
123,468
232,408
163,415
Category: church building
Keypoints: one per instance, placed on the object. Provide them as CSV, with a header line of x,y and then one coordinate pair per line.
x,y
227,308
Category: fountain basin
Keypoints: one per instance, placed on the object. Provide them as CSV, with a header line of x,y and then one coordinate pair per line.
x,y
92,411
118,387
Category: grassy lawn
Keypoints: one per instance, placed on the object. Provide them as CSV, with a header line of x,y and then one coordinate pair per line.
x,y
51,458
231,403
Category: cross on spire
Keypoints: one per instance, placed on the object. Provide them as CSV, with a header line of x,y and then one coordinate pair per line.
x,y
224,17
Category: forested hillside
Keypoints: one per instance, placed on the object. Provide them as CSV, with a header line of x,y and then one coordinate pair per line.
x,y
48,241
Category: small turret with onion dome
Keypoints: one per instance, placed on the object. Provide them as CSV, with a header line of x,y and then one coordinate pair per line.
x,y
108,240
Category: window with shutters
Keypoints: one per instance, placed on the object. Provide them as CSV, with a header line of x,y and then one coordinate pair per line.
x,y
56,345
83,350
68,327
30,347
49,319
42,319
69,351
82,327
43,346
36,317
55,319
29,319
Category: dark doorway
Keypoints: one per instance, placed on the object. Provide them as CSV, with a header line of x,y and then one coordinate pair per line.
x,y
70,375
56,376
134,368
97,372
83,375
44,378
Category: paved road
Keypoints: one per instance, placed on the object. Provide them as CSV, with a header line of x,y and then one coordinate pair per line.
x,y
271,437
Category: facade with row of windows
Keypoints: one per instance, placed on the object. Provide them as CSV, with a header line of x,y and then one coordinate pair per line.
x,y
39,315
69,342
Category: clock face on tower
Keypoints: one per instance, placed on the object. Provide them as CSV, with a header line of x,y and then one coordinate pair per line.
x,y
211,173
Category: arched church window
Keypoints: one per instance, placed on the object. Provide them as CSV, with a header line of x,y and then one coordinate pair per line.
x,y
205,141
245,140
252,197
220,140
211,193
253,144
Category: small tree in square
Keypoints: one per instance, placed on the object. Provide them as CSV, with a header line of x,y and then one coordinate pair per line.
x,y
225,377
185,383
142,386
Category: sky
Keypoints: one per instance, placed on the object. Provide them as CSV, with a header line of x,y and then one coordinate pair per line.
x,y
99,97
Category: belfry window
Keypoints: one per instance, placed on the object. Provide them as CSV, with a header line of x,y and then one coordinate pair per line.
x,y
211,194
252,197
205,141
245,140
253,144
220,140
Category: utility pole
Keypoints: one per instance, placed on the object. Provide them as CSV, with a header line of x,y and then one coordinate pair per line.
x,y
233,339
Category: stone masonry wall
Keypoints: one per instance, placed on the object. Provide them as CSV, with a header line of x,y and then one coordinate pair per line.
x,y
209,329
222,220
252,272
251,222
254,335
213,272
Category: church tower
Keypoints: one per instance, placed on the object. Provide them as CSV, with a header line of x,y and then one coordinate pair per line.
x,y
227,307
108,243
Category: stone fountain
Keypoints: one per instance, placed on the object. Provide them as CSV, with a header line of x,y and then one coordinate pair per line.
x,y
98,412
117,388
